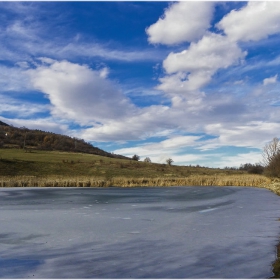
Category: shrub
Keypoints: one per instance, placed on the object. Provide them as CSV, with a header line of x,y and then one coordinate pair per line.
x,y
136,157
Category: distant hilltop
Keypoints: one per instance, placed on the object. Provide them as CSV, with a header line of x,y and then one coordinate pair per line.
x,y
4,124
34,139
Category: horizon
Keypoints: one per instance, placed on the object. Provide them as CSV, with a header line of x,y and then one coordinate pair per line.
x,y
193,81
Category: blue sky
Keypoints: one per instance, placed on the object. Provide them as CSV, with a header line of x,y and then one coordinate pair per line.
x,y
194,81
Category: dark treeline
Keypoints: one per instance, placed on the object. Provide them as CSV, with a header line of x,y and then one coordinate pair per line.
x,y
28,139
252,168
249,167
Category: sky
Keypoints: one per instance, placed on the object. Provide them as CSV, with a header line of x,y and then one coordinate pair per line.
x,y
193,81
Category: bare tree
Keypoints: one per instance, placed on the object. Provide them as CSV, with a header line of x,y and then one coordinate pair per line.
x,y
273,169
147,159
270,151
169,161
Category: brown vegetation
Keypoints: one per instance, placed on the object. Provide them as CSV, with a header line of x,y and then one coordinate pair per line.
x,y
83,181
27,139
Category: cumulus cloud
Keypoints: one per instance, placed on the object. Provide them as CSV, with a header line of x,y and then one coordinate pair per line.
x,y
195,66
257,20
183,83
145,123
80,93
181,22
271,80
212,52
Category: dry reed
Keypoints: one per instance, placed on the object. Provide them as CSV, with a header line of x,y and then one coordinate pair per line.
x,y
245,180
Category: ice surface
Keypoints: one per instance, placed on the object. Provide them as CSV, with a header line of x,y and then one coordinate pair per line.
x,y
175,232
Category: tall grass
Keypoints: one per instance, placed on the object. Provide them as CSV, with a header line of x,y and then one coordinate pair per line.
x,y
242,180
85,181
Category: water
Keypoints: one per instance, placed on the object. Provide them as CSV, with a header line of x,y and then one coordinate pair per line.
x,y
175,232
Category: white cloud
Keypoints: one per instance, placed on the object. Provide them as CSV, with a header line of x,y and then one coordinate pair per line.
x,y
175,142
182,21
104,72
13,79
212,52
159,152
20,109
141,124
19,30
195,66
23,64
80,93
271,80
82,49
237,160
255,21
183,83
45,124
253,134
240,117
46,60
25,39
190,70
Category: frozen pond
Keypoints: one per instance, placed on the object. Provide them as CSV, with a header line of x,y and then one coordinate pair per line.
x,y
175,232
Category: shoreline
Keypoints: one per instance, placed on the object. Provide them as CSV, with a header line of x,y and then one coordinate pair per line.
x,y
243,180
276,264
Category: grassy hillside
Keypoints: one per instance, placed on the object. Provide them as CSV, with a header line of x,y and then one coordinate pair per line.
x,y
53,168
30,140
18,162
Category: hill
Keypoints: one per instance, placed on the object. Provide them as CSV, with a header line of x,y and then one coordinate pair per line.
x,y
17,162
3,124
30,140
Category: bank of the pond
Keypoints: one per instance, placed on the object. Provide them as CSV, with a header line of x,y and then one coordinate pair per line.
x,y
242,180
276,264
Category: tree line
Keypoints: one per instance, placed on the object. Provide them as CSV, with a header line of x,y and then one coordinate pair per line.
x,y
270,163
24,138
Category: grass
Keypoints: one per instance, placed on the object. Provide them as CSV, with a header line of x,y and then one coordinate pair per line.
x,y
16,162
89,181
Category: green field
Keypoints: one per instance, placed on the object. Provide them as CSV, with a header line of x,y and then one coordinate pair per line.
x,y
17,162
